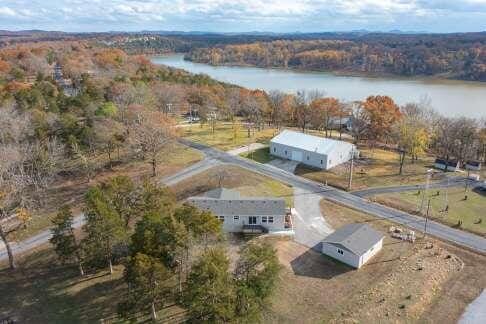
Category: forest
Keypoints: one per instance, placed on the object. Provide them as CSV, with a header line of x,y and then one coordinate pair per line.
x,y
455,56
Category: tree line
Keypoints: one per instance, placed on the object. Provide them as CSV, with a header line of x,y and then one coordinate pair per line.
x,y
456,56
171,253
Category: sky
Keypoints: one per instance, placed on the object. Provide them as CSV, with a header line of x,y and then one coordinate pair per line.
x,y
244,15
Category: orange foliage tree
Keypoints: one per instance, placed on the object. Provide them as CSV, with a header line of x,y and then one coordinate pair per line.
x,y
381,113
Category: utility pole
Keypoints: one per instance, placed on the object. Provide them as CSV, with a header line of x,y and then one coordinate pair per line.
x,y
350,180
429,172
466,185
446,207
426,218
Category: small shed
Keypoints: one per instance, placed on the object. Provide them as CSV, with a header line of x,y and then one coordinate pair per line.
x,y
442,164
353,244
315,151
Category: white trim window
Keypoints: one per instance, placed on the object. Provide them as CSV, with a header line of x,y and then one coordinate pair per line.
x,y
236,218
340,251
264,219
221,219
270,219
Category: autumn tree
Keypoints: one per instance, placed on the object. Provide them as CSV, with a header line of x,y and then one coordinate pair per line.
x,y
412,132
381,114
64,240
150,134
324,111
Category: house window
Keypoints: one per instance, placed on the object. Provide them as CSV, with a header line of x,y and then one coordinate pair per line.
x,y
264,219
236,218
321,162
274,149
340,251
270,219
221,219
307,158
285,152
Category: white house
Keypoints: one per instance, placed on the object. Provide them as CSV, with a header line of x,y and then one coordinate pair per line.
x,y
353,244
243,214
315,151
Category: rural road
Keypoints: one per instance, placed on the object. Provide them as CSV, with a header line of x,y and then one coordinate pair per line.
x,y
311,231
438,230
44,236
453,182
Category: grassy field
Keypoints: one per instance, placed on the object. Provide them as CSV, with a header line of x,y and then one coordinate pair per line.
x,y
71,191
389,289
247,183
227,136
261,155
375,168
471,211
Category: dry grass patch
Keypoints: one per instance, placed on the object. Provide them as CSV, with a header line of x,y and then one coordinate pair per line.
x,y
227,136
375,168
248,183
428,281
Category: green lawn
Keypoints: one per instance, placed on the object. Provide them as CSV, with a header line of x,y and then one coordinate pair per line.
x,y
375,168
227,136
471,211
261,155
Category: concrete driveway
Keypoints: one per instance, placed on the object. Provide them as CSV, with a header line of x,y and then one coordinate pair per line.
x,y
309,225
286,165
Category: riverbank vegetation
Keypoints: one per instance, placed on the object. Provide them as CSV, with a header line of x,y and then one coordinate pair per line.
x,y
456,56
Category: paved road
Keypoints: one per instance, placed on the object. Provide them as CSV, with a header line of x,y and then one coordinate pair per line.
x,y
36,240
453,182
309,225
44,236
441,231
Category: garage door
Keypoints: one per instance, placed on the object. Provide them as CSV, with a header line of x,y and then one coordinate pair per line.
x,y
297,156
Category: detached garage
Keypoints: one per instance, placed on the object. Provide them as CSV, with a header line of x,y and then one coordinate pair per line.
x,y
353,244
315,151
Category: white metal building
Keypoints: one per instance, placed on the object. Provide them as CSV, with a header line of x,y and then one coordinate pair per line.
x,y
315,151
243,214
353,244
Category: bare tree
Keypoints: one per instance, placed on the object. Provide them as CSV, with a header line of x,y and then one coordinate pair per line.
x,y
27,166
150,134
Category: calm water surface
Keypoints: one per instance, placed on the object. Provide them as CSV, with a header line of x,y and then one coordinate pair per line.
x,y
451,98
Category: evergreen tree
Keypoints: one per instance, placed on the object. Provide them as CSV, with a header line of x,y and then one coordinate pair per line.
x,y
64,240
105,230
256,276
148,282
159,236
210,294
200,223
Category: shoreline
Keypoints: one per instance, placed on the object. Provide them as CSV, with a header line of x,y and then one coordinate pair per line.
x,y
344,73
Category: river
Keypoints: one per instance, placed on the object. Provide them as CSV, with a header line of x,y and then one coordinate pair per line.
x,y
450,98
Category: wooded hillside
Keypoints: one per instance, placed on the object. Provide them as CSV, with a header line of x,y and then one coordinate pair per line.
x,y
457,56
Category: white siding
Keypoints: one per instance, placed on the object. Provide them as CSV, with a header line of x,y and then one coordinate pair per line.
x,y
347,257
356,261
370,253
235,226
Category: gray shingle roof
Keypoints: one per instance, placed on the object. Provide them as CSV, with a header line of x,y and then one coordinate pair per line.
x,y
308,142
357,238
226,202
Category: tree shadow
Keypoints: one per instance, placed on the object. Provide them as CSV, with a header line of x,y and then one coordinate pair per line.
x,y
314,264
